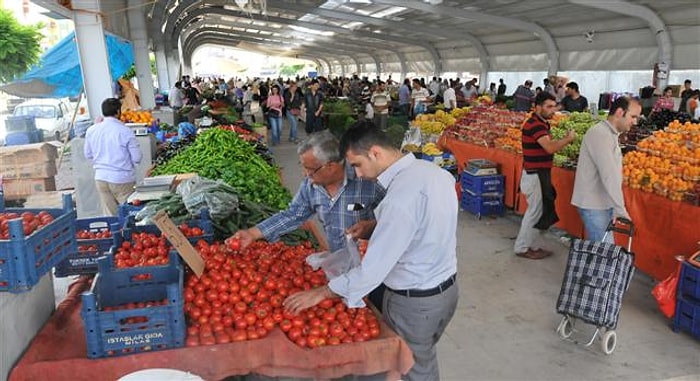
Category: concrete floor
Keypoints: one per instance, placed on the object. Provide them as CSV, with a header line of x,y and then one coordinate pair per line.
x,y
505,325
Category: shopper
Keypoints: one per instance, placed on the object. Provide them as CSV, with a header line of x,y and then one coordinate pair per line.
x,y
598,183
380,103
685,95
469,90
501,88
176,96
450,99
420,98
412,250
665,101
574,101
405,97
535,183
313,100
523,97
275,105
343,202
115,153
293,99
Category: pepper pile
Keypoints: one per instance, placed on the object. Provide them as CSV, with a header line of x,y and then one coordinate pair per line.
x,y
221,154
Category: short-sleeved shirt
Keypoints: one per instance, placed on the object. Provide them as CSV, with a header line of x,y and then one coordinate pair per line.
x,y
534,155
570,104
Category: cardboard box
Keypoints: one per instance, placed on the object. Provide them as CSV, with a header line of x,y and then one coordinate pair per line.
x,y
28,153
22,188
28,170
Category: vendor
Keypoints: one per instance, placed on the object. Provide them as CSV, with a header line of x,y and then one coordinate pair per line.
x,y
665,101
343,202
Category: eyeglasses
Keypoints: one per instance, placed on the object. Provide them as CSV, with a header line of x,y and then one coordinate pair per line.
x,y
313,172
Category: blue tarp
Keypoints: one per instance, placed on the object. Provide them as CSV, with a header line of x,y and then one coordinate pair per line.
x,y
58,73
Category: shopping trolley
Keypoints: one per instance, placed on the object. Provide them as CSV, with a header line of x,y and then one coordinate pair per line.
x,y
597,276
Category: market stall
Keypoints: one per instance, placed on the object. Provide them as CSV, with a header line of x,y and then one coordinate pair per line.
x,y
661,202
273,356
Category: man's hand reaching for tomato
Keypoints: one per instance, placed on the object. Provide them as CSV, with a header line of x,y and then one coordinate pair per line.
x,y
306,299
242,238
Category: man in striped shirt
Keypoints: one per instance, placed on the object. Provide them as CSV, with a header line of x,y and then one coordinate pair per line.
x,y
535,183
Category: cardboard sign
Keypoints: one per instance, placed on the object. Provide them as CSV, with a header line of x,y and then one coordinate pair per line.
x,y
179,242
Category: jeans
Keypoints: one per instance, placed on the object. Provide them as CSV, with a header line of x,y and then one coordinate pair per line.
x,y
380,120
595,221
292,126
528,236
276,129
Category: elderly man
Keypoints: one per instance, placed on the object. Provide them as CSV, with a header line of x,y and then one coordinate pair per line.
x,y
412,251
343,202
598,184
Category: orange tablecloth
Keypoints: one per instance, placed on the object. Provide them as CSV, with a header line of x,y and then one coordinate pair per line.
x,y
509,163
58,352
664,228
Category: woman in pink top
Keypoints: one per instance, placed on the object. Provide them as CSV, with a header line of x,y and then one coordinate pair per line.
x,y
275,104
665,101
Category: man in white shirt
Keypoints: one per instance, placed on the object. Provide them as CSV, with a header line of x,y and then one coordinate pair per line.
x,y
412,249
380,104
420,98
176,96
450,99
469,91
598,184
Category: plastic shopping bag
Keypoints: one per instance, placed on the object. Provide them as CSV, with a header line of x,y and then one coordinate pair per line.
x,y
338,262
665,292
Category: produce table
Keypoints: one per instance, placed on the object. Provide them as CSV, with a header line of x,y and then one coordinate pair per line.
x,y
59,350
664,228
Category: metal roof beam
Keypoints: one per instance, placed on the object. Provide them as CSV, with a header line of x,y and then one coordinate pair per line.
x,y
657,26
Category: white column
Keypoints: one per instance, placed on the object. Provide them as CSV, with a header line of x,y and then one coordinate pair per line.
x,y
139,38
171,56
92,51
164,84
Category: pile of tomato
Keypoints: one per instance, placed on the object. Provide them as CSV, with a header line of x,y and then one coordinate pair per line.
x,y
240,297
30,222
87,235
147,249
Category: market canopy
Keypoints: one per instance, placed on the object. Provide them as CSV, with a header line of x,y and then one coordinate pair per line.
x,y
58,73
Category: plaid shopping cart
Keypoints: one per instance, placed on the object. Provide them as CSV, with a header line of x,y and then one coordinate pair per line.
x,y
596,278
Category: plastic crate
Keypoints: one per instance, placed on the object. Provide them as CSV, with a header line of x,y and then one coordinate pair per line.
x,y
204,223
482,205
109,333
24,260
127,210
20,123
480,185
23,137
687,317
85,262
689,282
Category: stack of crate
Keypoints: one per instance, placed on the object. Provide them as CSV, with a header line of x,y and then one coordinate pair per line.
x,y
28,169
482,188
687,315
22,130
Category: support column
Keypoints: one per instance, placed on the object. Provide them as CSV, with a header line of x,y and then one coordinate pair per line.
x,y
90,37
171,57
139,37
162,68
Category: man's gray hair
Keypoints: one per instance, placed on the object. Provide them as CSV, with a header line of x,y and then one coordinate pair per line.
x,y
324,146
